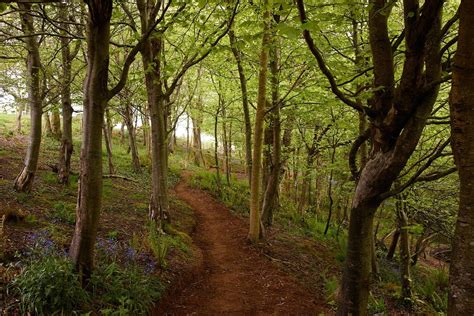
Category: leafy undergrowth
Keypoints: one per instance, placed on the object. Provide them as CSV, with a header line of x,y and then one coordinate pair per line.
x,y
134,263
298,244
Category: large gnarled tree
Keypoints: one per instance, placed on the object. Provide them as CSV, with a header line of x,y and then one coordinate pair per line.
x,y
398,111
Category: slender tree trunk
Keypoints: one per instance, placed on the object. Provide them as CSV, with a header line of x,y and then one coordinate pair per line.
x,y
271,197
122,133
393,244
245,103
216,154
224,136
461,284
151,54
255,232
66,150
48,130
24,181
405,275
109,128
197,143
108,147
19,114
331,200
56,124
132,139
96,94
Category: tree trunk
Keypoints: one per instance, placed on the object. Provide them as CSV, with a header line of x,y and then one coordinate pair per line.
x,y
108,147
331,200
255,232
56,124
224,137
96,95
245,104
271,197
197,143
403,114
122,133
151,54
24,181
405,258
48,130
393,245
66,137
132,139
461,284
19,114
216,154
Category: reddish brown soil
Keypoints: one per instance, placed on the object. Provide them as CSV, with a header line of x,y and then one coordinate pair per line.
x,y
235,278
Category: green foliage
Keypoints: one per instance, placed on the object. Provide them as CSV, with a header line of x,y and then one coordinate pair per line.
x,y
50,286
331,286
31,218
113,234
376,305
63,212
159,244
236,195
124,291
432,288
50,178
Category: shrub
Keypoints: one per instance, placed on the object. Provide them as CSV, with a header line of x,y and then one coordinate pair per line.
x,y
159,244
124,291
432,286
49,286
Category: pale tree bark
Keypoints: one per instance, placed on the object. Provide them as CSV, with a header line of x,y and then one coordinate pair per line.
x,y
196,119
225,142
255,229
24,181
19,114
461,284
216,152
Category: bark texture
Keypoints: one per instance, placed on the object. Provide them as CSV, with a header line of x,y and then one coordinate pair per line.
x,y
66,139
255,232
151,54
271,201
96,95
245,103
24,181
399,116
461,288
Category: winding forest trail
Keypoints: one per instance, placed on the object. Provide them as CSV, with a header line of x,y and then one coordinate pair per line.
x,y
234,279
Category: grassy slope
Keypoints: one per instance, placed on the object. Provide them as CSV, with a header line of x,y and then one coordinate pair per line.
x,y
50,207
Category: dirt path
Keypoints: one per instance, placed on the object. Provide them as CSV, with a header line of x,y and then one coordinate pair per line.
x,y
235,279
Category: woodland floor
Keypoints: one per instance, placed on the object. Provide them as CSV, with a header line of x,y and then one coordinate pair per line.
x,y
225,274
235,278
